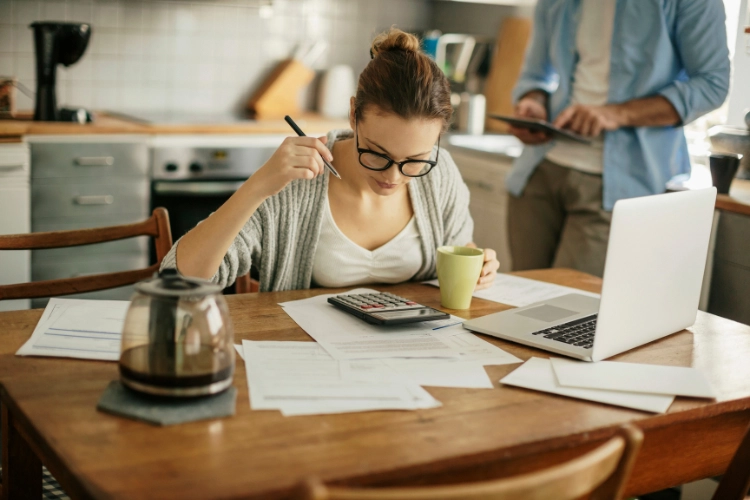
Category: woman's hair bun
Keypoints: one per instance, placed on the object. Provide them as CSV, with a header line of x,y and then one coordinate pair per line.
x,y
394,39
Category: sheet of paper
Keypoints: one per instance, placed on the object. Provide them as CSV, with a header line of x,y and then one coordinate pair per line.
x,y
75,328
516,291
633,377
473,348
346,337
419,399
301,378
538,374
468,374
428,372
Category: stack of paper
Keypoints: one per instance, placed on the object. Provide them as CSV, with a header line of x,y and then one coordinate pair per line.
x,y
520,292
74,328
356,366
631,385
301,378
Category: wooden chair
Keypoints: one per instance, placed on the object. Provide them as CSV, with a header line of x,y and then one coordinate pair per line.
x,y
245,284
601,473
735,483
157,226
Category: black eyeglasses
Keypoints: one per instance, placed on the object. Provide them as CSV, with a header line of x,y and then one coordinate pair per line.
x,y
378,161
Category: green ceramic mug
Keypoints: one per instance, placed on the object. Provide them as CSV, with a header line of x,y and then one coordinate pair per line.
x,y
458,271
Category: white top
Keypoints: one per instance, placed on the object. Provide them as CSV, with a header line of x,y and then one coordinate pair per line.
x,y
339,262
590,82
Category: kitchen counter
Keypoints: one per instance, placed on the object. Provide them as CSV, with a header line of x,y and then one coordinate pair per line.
x,y
737,201
489,146
13,129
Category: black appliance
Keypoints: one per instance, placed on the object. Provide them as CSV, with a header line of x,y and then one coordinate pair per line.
x,y
192,177
56,43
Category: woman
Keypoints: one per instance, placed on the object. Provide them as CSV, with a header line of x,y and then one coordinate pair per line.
x,y
399,197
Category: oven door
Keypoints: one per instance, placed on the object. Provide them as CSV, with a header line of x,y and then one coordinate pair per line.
x,y
189,202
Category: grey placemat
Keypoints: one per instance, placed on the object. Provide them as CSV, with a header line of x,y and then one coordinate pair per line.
x,y
119,400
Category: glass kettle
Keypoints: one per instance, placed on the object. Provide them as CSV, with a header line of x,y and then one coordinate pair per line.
x,y
177,339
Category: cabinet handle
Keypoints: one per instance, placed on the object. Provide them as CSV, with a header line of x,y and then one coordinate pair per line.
x,y
103,199
94,161
8,168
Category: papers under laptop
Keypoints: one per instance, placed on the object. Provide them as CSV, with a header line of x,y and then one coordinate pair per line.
x,y
651,286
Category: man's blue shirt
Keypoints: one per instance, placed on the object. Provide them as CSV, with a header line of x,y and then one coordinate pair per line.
x,y
673,48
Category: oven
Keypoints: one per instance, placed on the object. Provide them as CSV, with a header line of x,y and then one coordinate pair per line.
x,y
192,176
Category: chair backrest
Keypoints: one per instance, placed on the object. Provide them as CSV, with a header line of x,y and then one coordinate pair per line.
x,y
601,473
157,226
735,483
246,284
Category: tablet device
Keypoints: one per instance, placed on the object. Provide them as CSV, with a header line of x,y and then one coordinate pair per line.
x,y
541,126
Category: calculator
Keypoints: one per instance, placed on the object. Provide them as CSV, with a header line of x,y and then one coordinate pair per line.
x,y
385,308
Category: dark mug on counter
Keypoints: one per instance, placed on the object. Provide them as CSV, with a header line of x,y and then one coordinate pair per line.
x,y
723,169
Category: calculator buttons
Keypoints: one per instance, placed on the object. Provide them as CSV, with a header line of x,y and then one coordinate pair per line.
x,y
382,301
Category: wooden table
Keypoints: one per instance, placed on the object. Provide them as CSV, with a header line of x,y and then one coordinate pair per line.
x,y
49,412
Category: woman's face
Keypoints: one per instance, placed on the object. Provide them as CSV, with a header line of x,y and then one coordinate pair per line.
x,y
399,139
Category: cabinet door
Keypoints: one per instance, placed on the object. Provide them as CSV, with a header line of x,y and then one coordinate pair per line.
x,y
485,177
86,160
15,265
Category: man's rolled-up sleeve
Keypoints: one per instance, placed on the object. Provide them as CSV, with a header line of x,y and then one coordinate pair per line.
x,y
701,40
537,72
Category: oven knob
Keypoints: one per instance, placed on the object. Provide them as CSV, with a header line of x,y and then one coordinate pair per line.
x,y
170,167
196,167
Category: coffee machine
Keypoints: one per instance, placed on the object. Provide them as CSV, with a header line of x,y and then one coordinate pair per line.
x,y
57,43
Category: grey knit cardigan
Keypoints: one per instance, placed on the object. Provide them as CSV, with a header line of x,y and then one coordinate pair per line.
x,y
281,237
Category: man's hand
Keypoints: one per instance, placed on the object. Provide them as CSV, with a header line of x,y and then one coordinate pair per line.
x,y
590,121
531,106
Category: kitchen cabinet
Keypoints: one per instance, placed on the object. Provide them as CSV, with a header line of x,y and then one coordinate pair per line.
x,y
730,280
484,174
15,203
89,181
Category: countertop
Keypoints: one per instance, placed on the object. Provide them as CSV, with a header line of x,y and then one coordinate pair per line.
x,y
12,130
737,201
489,146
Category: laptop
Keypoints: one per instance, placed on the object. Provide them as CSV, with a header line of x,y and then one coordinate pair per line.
x,y
651,287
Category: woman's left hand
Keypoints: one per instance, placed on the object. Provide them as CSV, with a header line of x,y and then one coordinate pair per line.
x,y
489,269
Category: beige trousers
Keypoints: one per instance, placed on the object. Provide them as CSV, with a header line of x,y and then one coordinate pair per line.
x,y
559,221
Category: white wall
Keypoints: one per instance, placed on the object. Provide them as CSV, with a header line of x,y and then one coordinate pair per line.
x,y
475,19
739,93
191,56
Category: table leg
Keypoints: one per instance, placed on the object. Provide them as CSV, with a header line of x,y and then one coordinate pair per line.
x,y
22,469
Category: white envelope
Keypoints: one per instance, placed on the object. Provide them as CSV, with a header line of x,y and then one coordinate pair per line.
x,y
633,377
537,374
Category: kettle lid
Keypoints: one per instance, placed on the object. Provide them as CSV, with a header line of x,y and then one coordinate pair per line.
x,y
170,283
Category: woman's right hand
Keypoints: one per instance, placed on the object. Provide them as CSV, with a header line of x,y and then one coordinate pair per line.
x,y
296,158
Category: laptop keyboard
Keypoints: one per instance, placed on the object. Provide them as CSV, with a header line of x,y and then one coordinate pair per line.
x,y
579,333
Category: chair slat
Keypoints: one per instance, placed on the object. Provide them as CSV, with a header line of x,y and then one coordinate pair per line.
x,y
601,473
78,237
156,226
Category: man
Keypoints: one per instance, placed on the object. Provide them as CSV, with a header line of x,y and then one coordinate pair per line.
x,y
627,74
